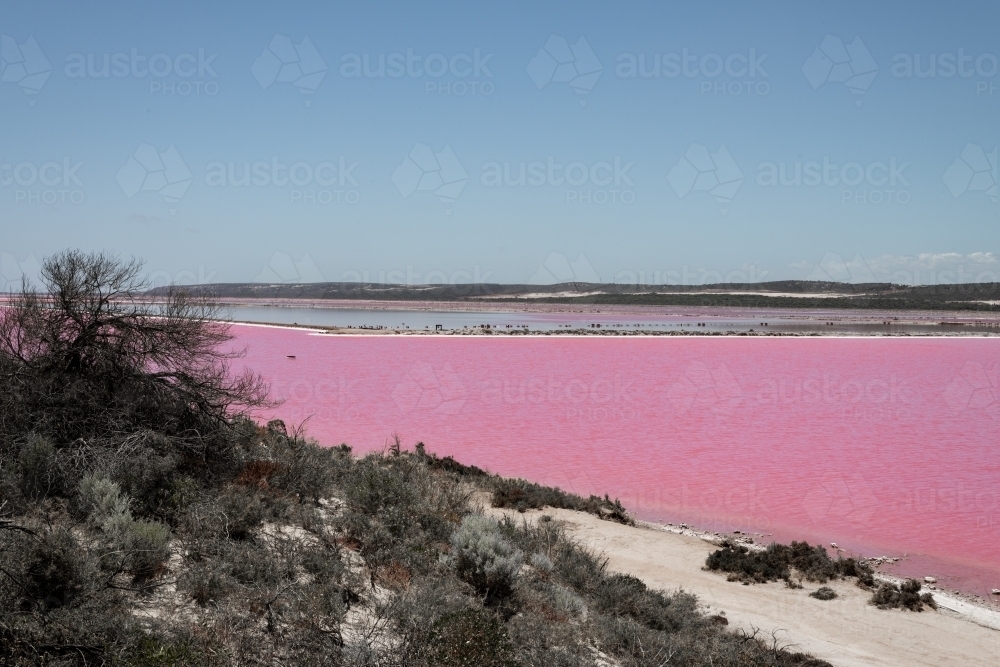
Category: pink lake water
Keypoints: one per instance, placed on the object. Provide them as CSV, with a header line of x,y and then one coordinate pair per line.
x,y
886,446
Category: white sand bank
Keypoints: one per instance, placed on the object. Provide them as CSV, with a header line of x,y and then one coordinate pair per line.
x,y
846,631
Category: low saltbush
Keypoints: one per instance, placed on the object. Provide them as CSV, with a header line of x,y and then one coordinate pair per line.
x,y
823,593
906,595
522,495
484,557
779,561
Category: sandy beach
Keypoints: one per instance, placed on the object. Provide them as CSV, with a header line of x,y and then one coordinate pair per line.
x,y
847,631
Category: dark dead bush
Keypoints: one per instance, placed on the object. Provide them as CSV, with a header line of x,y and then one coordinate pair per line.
x,y
205,584
56,571
241,514
258,474
89,361
38,467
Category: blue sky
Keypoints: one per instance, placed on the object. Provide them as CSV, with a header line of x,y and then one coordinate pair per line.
x,y
401,178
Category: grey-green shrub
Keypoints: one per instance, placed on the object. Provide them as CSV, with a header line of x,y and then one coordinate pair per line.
x,y
101,499
484,557
541,563
567,601
142,545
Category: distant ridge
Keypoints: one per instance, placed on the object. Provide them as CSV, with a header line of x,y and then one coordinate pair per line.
x,y
775,294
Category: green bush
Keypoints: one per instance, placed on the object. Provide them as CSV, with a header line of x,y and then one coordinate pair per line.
x,y
140,547
484,558
149,542
100,499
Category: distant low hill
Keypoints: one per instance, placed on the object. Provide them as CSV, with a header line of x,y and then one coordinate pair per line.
x,y
776,294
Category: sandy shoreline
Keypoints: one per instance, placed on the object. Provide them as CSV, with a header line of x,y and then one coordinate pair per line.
x,y
846,631
860,316
605,333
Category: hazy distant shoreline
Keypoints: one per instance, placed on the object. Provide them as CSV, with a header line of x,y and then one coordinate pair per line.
x,y
785,294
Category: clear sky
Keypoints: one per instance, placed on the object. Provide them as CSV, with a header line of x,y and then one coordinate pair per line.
x,y
658,141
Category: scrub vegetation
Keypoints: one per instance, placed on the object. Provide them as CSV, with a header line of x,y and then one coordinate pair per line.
x,y
799,561
145,519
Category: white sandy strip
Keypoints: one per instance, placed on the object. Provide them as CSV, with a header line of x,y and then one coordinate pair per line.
x,y
987,618
574,295
847,631
569,333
